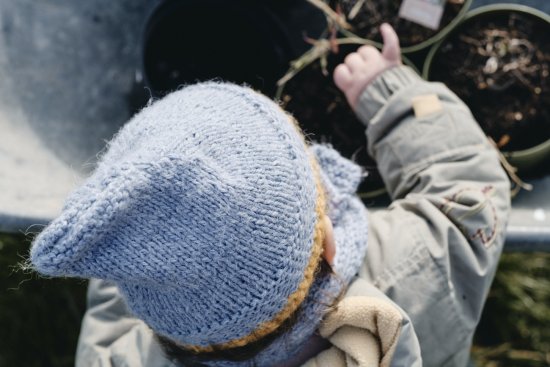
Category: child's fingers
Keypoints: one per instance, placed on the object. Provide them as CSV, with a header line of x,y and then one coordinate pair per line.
x,y
354,62
342,76
368,52
391,50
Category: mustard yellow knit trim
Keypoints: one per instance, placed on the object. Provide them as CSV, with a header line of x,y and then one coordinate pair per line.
x,y
299,295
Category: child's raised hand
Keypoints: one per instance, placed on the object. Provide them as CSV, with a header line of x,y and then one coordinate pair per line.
x,y
361,67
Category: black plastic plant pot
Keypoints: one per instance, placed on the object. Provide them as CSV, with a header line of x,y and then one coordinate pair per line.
x,y
241,41
498,61
366,16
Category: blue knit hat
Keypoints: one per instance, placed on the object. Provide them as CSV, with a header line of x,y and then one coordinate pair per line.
x,y
206,211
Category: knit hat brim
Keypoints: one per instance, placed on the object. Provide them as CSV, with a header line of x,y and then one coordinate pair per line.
x,y
340,178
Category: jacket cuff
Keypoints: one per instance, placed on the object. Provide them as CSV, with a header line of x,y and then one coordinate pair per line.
x,y
377,93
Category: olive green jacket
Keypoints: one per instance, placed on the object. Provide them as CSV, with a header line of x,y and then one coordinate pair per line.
x,y
431,256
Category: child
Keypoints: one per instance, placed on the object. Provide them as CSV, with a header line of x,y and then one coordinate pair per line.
x,y
235,243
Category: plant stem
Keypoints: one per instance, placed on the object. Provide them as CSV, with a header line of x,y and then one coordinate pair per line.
x,y
320,49
330,14
511,170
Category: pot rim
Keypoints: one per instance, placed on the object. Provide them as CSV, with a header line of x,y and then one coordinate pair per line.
x,y
436,37
541,148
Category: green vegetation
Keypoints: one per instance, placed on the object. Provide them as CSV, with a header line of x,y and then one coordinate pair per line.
x,y
40,318
515,327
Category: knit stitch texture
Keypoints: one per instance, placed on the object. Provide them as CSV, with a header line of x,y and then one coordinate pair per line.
x,y
202,211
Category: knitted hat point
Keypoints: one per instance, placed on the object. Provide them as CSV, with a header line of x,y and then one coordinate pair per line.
x,y
206,212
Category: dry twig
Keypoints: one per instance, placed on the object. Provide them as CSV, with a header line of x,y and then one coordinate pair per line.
x,y
320,50
330,14
511,170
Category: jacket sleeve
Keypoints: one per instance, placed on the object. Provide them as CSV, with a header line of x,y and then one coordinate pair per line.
x,y
435,249
111,336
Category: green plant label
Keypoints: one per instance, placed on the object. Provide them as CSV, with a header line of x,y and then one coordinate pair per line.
x,y
427,13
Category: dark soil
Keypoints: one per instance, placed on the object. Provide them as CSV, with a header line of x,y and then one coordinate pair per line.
x,y
325,116
375,12
499,65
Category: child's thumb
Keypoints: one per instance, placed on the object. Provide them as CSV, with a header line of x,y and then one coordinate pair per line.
x,y
391,50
